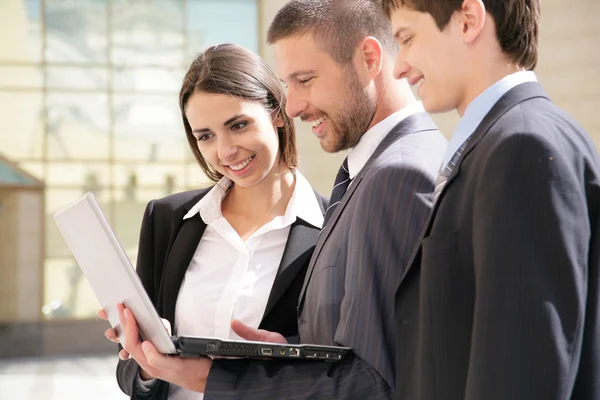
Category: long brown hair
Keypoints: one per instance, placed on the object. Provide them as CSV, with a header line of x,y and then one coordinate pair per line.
x,y
239,72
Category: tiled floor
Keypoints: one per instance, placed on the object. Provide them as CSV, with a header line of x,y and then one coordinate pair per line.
x,y
90,378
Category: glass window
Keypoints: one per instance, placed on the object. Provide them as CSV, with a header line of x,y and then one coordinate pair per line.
x,y
211,22
77,78
145,79
148,128
147,32
77,126
76,31
89,102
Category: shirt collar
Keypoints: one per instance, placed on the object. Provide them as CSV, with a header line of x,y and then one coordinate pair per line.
x,y
364,149
480,106
303,203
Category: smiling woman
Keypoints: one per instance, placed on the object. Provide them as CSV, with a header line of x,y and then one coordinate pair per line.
x,y
242,76
213,256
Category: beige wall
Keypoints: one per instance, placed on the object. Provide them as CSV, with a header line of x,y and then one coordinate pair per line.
x,y
569,70
21,254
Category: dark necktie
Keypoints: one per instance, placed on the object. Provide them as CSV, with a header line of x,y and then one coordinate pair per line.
x,y
445,173
342,180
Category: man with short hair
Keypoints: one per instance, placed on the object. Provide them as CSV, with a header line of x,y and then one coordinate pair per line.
x,y
336,57
501,298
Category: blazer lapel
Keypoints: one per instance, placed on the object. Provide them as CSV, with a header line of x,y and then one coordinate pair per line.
x,y
413,124
301,239
518,94
178,260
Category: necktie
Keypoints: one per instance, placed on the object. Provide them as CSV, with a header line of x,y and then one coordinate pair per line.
x,y
445,173
342,180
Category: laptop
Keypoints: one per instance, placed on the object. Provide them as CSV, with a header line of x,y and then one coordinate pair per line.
x,y
114,280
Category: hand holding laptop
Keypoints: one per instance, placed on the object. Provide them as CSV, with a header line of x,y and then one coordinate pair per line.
x,y
190,373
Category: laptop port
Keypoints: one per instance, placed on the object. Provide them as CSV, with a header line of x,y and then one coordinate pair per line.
x,y
294,352
265,351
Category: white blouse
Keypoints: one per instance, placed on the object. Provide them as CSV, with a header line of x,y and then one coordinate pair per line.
x,y
229,278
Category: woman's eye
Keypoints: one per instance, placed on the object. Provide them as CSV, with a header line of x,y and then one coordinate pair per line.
x,y
305,81
239,125
203,138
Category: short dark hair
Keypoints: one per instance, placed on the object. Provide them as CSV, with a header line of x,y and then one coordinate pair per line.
x,y
238,72
517,23
338,25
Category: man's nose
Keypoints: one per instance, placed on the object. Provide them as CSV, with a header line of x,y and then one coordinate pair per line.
x,y
295,104
401,67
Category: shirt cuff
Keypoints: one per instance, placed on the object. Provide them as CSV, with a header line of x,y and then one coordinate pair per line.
x,y
144,386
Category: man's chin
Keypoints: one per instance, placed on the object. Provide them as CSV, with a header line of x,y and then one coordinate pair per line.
x,y
329,146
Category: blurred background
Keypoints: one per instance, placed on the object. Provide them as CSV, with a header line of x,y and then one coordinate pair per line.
x,y
89,102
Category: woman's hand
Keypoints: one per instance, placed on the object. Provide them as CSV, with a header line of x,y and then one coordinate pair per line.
x,y
190,373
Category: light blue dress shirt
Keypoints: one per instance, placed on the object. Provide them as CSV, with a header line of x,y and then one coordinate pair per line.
x,y
479,108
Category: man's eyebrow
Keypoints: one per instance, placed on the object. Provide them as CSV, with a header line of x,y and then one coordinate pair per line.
x,y
295,75
398,32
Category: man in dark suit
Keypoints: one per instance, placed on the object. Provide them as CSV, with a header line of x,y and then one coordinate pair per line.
x,y
501,298
336,57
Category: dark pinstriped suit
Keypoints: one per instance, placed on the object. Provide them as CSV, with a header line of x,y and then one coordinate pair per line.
x,y
502,301
348,295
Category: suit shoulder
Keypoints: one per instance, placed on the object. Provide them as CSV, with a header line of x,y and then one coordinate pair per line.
x,y
176,201
419,153
539,121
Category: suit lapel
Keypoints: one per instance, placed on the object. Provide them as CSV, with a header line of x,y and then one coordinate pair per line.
x,y
413,124
301,239
178,260
518,94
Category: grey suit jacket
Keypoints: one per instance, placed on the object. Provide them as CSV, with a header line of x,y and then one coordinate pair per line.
x,y
501,300
348,293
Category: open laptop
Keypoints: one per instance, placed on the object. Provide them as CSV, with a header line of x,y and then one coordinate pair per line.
x,y
113,280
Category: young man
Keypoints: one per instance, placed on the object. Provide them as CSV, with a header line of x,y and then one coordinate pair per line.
x,y
501,298
336,57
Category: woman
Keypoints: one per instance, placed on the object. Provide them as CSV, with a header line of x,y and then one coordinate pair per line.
x,y
238,250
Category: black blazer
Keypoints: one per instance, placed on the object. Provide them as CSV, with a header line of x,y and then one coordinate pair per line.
x,y
502,298
167,245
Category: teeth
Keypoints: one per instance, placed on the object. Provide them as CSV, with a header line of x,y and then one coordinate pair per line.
x,y
241,165
419,82
318,122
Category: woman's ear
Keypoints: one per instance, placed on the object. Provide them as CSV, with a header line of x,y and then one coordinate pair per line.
x,y
278,121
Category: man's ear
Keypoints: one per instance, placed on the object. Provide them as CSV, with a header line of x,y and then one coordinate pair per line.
x,y
370,57
471,17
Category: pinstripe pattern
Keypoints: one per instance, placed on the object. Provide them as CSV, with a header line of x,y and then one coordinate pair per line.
x,y
502,300
349,290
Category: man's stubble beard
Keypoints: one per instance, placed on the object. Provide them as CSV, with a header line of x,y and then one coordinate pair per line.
x,y
355,117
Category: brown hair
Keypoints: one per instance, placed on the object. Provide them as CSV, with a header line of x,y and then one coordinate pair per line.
x,y
239,72
338,25
517,23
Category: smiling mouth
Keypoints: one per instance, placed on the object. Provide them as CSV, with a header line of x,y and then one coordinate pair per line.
x,y
242,165
317,122
417,82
